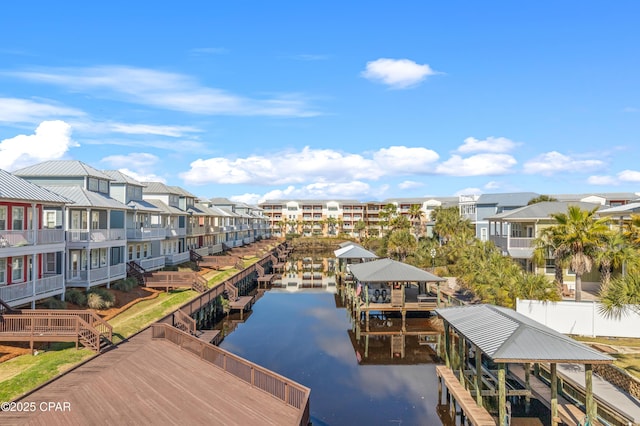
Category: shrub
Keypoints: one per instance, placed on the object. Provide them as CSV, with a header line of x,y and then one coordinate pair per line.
x,y
55,303
125,285
77,297
100,298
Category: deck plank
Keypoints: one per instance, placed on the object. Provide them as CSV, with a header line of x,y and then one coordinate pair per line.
x,y
144,381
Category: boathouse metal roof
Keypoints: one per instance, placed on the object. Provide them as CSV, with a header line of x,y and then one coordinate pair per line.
x,y
389,270
15,188
354,251
510,337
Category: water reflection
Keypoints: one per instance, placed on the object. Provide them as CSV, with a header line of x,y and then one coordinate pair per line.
x,y
303,331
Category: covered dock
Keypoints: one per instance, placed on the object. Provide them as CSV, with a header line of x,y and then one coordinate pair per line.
x,y
481,341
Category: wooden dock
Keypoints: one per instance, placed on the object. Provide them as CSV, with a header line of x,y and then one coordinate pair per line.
x,y
209,336
144,381
469,410
242,304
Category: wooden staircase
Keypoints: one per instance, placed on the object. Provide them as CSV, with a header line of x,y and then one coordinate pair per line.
x,y
134,270
44,325
195,257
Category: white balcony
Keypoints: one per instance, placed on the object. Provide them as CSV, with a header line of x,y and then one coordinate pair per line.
x,y
96,276
153,263
143,234
176,258
30,237
19,294
196,230
172,232
95,235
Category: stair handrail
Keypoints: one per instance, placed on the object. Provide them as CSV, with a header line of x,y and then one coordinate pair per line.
x,y
184,322
94,340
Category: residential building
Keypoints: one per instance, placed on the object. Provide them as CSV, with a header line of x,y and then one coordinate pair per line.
x,y
32,242
94,222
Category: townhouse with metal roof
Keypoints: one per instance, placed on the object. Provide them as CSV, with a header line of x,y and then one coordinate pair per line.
x,y
144,227
515,231
32,242
95,223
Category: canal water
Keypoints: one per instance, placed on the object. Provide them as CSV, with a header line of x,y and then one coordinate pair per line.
x,y
384,377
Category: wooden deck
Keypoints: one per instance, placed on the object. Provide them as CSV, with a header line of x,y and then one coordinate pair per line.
x,y
144,381
241,303
209,336
473,413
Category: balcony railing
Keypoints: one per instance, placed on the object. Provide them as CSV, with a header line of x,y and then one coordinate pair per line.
x,y
176,258
511,242
172,232
95,235
44,287
30,237
196,230
84,277
146,233
153,263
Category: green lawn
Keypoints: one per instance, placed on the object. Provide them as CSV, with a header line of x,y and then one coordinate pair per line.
x,y
628,356
21,374
147,312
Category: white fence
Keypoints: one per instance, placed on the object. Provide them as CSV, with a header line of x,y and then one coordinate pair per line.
x,y
579,318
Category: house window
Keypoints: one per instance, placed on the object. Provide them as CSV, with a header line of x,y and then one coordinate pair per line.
x,y
95,220
103,257
50,263
145,250
51,220
3,271
130,253
138,251
3,218
18,218
17,270
95,258
93,184
550,266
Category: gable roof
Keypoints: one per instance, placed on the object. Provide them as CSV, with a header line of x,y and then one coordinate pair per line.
x,y
119,177
507,199
61,168
389,270
354,251
183,192
15,188
542,210
508,336
158,188
85,198
165,208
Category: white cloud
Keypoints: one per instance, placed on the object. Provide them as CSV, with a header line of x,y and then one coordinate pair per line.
x,y
469,191
50,141
172,91
397,73
629,176
14,110
490,144
492,185
409,184
282,168
402,159
324,190
150,129
477,165
602,180
143,177
554,162
135,159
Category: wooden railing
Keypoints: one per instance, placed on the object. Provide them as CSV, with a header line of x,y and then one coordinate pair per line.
x,y
136,271
288,391
169,280
184,322
231,289
88,316
44,328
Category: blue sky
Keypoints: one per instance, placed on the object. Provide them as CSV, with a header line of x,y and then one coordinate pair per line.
x,y
256,100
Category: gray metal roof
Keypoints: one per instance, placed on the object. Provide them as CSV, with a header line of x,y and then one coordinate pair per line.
x,y
508,336
119,177
165,208
631,208
389,270
354,251
183,192
144,206
507,199
158,188
68,168
542,210
84,198
606,195
15,188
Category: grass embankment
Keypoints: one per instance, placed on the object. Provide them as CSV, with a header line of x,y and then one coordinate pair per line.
x,y
21,374
626,351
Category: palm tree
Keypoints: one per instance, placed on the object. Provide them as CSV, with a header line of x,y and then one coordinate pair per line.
x,y
416,214
622,296
448,222
549,243
360,227
632,230
387,214
400,243
580,235
615,252
331,225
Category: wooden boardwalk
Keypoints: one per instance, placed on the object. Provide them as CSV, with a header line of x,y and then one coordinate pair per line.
x,y
473,413
143,382
209,336
241,303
